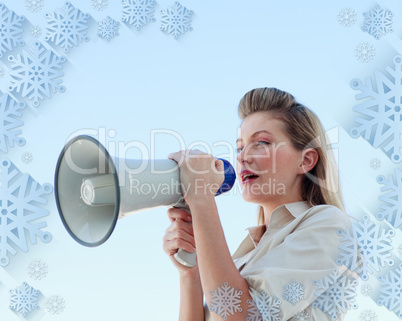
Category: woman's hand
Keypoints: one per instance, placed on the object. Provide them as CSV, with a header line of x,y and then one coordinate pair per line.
x,y
179,235
201,175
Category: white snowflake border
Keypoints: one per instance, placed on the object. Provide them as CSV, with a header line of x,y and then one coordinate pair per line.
x,y
35,31
22,209
27,157
364,52
365,248
24,299
11,30
381,110
37,269
67,27
368,315
335,294
294,292
55,304
347,17
176,20
37,73
108,28
225,301
10,115
268,307
391,208
375,163
301,316
34,5
138,13
100,5
378,22
391,291
366,289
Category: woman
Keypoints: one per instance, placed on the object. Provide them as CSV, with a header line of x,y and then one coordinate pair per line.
x,y
286,267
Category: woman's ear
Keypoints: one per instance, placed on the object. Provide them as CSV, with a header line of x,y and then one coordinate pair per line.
x,y
309,160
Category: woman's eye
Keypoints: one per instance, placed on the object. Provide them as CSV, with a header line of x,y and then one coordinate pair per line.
x,y
262,142
239,149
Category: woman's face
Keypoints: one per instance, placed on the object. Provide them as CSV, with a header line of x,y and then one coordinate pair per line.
x,y
268,165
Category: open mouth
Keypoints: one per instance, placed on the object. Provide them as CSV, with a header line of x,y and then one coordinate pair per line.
x,y
248,177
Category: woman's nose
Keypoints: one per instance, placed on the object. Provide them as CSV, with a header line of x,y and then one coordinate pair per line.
x,y
243,156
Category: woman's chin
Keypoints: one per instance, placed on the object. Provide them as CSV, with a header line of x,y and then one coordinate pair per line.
x,y
254,198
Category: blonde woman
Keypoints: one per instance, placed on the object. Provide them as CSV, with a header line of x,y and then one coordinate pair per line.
x,y
282,270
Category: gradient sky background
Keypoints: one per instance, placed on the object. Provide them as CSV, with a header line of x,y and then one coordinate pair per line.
x,y
142,81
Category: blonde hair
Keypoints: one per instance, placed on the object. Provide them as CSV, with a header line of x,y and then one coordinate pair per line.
x,y
305,130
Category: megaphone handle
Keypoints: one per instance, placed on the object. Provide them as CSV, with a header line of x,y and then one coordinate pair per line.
x,y
183,257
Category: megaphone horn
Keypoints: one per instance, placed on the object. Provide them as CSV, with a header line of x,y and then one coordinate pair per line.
x,y
93,190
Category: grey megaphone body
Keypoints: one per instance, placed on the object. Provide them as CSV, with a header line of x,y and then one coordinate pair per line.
x,y
94,190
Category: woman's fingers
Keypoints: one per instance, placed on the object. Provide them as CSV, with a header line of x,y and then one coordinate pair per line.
x,y
172,246
178,214
178,239
179,235
179,225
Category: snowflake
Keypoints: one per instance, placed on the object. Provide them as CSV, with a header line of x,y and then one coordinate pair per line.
x,y
347,17
225,301
37,269
138,12
365,248
2,71
368,315
20,204
267,306
301,316
294,292
364,52
67,26
100,4
27,157
375,163
400,250
37,73
378,22
366,289
392,209
253,312
34,5
176,20
391,291
335,294
24,299
108,28
35,31
10,30
55,304
10,114
381,126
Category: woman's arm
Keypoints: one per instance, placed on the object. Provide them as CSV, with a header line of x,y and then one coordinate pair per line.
x,y
226,291
191,298
180,235
218,273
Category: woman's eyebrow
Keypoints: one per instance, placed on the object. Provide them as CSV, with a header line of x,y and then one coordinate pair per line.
x,y
256,134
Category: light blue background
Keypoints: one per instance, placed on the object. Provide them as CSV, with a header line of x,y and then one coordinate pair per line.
x,y
144,81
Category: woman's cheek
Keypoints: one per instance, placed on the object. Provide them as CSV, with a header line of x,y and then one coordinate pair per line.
x,y
281,163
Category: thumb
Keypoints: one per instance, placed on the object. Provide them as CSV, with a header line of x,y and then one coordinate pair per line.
x,y
219,167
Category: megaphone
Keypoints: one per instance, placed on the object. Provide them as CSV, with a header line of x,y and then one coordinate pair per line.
x,y
94,190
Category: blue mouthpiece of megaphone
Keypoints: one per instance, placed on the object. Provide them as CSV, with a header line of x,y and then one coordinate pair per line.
x,y
230,177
